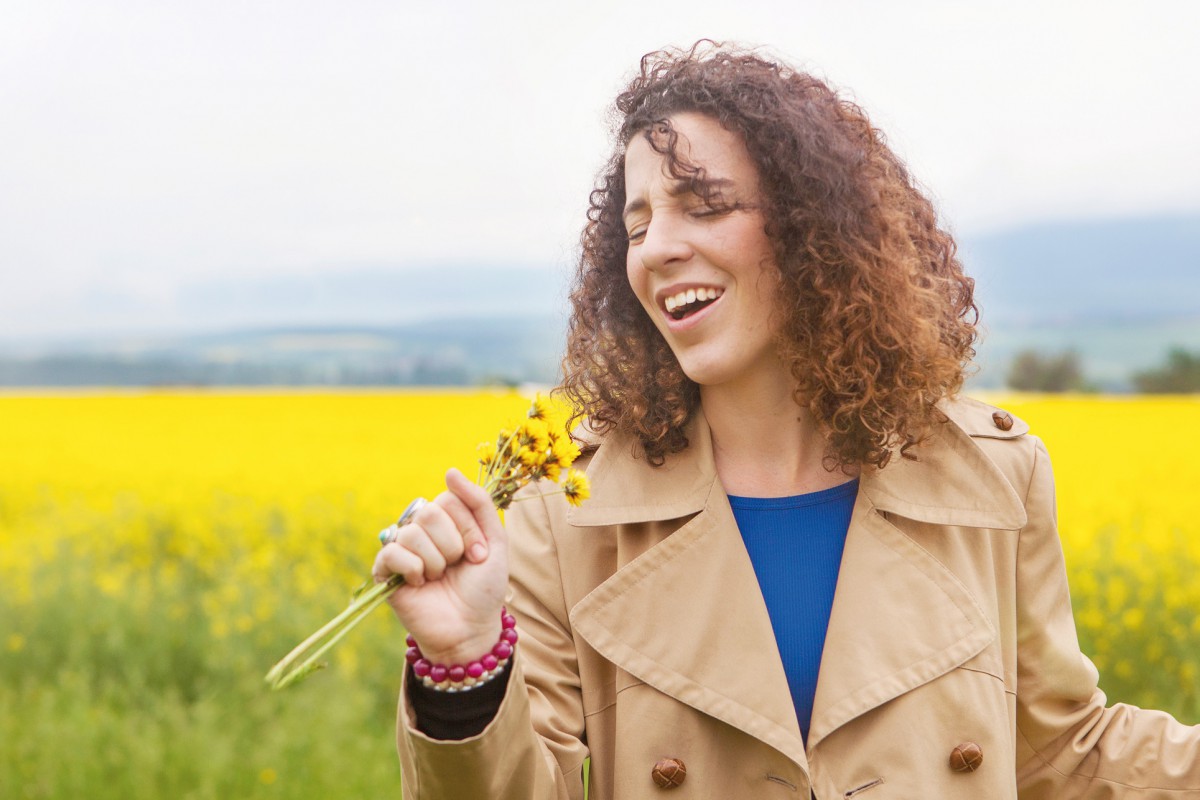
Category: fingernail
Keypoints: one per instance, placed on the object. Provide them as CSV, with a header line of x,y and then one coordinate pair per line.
x,y
478,552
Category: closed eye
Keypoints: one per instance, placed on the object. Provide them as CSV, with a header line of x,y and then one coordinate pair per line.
x,y
637,233
717,207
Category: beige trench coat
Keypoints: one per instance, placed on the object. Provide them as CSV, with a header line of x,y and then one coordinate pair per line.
x,y
644,636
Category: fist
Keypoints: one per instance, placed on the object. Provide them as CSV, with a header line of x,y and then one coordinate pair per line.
x,y
453,556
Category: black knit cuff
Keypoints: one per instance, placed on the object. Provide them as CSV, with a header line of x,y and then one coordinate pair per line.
x,y
451,716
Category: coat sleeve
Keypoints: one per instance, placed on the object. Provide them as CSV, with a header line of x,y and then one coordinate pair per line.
x,y
534,748
1069,745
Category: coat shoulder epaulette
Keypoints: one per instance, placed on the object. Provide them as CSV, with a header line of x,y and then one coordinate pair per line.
x,y
980,419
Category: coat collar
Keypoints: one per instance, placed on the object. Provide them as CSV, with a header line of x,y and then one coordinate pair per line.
x,y
626,488
668,618
952,483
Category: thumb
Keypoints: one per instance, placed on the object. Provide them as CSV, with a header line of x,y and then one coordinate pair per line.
x,y
489,531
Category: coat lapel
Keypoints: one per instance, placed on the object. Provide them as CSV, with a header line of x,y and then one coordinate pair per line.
x,y
674,617
900,618
679,618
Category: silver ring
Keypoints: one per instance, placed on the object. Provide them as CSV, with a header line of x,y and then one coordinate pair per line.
x,y
388,534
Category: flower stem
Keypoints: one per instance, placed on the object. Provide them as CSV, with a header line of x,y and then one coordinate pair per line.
x,y
302,661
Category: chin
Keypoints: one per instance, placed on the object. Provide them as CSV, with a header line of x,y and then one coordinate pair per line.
x,y
726,368
705,374
709,366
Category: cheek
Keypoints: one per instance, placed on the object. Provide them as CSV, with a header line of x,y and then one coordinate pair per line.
x,y
639,280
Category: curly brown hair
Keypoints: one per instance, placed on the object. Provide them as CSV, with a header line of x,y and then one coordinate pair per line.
x,y
877,320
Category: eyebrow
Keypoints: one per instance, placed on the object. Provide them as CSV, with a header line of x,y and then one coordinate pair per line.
x,y
681,187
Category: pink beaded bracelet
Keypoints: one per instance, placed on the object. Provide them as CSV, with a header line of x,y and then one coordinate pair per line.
x,y
459,678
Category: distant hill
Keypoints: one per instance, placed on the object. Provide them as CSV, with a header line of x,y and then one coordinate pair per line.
x,y
448,352
1132,269
1120,292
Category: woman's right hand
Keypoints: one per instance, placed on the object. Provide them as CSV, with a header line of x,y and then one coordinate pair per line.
x,y
453,556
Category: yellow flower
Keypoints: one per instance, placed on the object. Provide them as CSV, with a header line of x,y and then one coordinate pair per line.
x,y
542,408
550,471
564,451
532,458
554,413
505,442
487,453
576,487
535,434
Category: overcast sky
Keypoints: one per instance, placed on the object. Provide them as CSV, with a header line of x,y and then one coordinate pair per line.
x,y
149,145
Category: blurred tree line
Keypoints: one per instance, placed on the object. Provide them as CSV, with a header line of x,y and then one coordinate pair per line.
x,y
1033,371
1180,375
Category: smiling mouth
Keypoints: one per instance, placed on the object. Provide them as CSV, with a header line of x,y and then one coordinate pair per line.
x,y
686,303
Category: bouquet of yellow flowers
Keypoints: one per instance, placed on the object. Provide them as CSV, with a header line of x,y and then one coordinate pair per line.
x,y
539,448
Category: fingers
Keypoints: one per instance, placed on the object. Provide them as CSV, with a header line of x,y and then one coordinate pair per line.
x,y
422,549
396,560
483,512
461,522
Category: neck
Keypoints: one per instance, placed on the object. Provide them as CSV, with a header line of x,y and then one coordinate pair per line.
x,y
764,444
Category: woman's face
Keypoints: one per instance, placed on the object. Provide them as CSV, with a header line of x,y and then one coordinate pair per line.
x,y
704,273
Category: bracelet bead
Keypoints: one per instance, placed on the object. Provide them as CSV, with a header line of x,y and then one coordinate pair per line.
x,y
459,677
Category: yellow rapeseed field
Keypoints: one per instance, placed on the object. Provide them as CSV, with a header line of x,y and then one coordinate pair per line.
x,y
1129,516
239,488
172,545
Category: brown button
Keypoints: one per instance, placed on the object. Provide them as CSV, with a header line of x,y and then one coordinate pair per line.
x,y
1003,420
966,757
669,773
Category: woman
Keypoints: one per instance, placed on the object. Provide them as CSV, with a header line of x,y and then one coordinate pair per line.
x,y
769,330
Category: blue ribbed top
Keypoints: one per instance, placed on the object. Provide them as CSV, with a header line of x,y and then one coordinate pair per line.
x,y
795,544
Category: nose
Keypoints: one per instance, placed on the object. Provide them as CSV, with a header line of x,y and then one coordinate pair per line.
x,y
665,243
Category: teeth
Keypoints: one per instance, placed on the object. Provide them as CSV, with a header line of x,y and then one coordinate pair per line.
x,y
689,296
